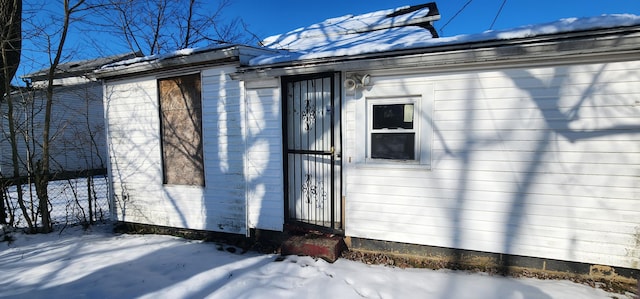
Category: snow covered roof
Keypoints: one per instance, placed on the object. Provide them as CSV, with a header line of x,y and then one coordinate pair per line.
x,y
373,33
180,58
159,57
378,31
81,67
382,32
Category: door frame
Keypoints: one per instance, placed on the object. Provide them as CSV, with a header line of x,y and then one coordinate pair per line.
x,y
336,224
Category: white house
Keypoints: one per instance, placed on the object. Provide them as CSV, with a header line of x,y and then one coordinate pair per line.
x,y
77,123
521,142
184,147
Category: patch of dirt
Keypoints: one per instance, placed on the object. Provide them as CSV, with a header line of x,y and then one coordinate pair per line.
x,y
621,285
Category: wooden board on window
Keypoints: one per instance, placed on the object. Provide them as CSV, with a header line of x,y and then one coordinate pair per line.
x,y
181,126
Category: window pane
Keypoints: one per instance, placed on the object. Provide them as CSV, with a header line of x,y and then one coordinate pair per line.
x,y
399,146
395,116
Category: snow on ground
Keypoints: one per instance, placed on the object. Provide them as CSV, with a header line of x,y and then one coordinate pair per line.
x,y
68,199
101,264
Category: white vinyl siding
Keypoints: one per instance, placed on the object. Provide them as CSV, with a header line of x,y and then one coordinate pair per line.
x,y
223,127
537,162
77,129
131,110
264,172
136,170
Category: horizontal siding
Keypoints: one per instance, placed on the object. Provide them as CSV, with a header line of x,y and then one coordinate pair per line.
x,y
264,158
223,131
136,163
242,151
563,185
537,162
77,129
134,151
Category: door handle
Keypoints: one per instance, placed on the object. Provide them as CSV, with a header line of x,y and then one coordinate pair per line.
x,y
333,153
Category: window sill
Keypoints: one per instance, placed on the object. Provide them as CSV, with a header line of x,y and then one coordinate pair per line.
x,y
371,164
176,186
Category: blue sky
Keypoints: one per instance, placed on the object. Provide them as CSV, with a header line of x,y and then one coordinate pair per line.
x,y
270,17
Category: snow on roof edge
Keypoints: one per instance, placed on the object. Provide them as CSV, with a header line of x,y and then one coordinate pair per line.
x,y
565,25
283,56
160,57
350,25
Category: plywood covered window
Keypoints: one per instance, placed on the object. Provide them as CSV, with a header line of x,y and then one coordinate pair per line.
x,y
181,130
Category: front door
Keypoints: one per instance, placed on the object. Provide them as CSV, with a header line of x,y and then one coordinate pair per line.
x,y
312,150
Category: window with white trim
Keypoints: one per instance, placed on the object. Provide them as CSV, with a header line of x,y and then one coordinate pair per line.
x,y
392,129
396,128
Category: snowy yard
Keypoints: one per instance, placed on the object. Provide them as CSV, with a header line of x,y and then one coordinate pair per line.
x,y
68,199
101,264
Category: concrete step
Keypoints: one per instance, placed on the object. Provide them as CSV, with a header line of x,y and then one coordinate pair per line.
x,y
325,247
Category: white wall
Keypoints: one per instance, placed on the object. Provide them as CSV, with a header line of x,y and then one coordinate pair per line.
x,y
538,162
264,172
133,131
77,128
223,127
136,165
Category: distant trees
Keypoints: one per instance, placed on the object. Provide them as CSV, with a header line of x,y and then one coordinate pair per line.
x,y
147,26
159,26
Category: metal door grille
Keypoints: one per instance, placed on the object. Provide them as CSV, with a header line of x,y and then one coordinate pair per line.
x,y
312,176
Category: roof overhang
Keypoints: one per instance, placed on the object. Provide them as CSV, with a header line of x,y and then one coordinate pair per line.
x,y
77,69
233,54
612,44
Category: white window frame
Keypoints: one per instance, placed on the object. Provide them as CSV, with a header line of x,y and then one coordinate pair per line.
x,y
416,126
395,90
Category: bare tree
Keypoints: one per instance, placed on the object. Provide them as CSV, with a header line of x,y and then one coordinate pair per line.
x,y
11,34
11,40
41,169
159,26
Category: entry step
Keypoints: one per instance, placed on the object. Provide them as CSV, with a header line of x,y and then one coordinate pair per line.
x,y
328,248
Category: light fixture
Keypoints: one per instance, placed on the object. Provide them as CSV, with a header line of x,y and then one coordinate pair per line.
x,y
355,81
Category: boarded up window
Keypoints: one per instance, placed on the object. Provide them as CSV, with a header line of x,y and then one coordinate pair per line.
x,y
181,127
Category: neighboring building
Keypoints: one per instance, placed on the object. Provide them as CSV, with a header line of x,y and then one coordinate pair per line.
x,y
77,123
521,142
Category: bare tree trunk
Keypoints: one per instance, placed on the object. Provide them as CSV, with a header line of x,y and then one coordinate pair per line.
x,y
90,199
11,39
42,175
3,208
15,160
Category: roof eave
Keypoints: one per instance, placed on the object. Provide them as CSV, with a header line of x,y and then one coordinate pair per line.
x,y
588,43
239,54
79,68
